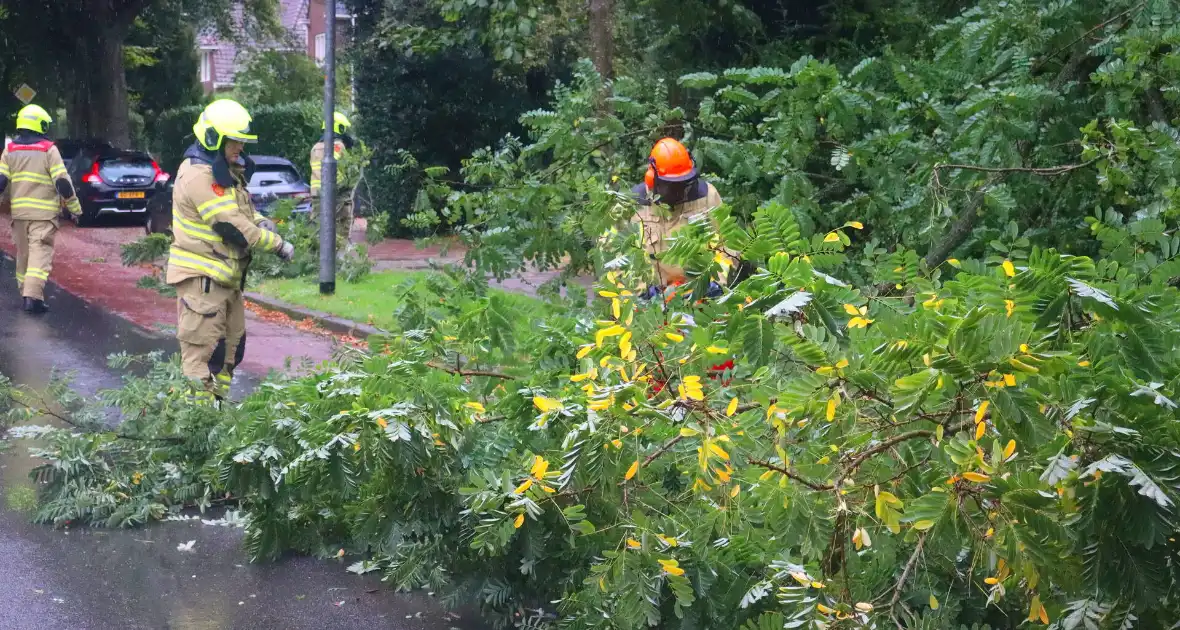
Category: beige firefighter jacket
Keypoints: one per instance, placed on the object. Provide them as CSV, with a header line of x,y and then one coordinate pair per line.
x,y
317,163
199,204
33,171
658,222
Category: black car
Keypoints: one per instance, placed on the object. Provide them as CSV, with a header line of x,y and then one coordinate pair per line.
x,y
113,181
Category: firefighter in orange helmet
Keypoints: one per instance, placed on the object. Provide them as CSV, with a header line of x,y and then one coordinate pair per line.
x,y
672,194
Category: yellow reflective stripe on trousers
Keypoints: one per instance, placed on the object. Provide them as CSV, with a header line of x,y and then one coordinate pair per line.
x,y
196,230
214,207
35,272
31,176
215,269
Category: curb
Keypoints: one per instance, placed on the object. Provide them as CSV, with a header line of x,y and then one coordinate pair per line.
x,y
331,323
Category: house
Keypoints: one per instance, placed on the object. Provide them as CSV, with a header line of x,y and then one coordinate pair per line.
x,y
303,24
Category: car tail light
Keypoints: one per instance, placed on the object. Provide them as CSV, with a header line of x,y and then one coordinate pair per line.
x,y
93,177
300,195
161,176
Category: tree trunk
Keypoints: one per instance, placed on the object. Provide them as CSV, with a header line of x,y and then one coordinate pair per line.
x,y
109,115
602,39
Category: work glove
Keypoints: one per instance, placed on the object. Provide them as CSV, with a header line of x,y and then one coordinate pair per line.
x,y
287,252
268,225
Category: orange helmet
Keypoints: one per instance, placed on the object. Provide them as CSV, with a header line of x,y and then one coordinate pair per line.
x,y
669,161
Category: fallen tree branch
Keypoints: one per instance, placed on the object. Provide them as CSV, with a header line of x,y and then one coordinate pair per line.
x,y
461,372
905,575
1048,171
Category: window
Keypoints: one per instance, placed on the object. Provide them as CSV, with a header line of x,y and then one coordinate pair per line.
x,y
206,66
321,48
268,175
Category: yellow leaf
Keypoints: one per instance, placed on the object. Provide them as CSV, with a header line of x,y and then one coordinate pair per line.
x,y
954,262
634,544
519,521
1083,364
841,364
856,225
832,237
801,578
980,429
933,602
851,310
856,538
546,404
632,470
824,609
1034,610
859,322
991,531
688,432
1009,270
991,580
1010,380
731,408
612,331
584,350
671,567
674,337
616,307
478,407
1024,348
864,607
830,412
356,447
736,489
923,525
766,475
522,488
825,370
1010,449
718,451
1009,307
540,467
938,433
976,477
824,460
382,422
625,344
716,350
617,443
982,411
608,294
671,542
1023,367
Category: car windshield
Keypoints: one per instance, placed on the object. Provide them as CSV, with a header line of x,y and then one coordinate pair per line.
x,y
114,168
274,176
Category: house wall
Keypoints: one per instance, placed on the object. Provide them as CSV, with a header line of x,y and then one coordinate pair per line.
x,y
316,10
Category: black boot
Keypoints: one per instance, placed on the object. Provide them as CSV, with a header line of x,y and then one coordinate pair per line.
x,y
33,305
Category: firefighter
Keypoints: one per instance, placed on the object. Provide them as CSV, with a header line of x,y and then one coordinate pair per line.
x,y
344,142
672,194
214,230
31,165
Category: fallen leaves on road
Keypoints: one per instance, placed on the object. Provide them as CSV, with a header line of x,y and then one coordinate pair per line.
x,y
304,325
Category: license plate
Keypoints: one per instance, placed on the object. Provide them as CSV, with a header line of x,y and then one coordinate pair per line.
x,y
130,195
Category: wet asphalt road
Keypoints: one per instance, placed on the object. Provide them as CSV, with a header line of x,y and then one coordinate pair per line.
x,y
97,579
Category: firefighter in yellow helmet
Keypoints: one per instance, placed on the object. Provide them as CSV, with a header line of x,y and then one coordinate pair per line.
x,y
214,230
344,141
32,167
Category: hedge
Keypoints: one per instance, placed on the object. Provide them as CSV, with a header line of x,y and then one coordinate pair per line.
x,y
287,131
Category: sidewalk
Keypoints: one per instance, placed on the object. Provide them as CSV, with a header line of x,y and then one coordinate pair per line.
x,y
87,264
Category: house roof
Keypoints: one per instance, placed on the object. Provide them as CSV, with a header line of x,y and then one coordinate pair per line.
x,y
230,53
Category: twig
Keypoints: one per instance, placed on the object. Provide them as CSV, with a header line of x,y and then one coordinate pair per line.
x,y
461,372
887,444
905,575
818,487
1085,35
1048,171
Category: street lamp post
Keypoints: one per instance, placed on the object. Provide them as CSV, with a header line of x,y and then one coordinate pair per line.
x,y
328,170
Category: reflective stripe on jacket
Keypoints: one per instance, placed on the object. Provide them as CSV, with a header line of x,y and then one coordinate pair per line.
x,y
317,162
199,248
32,169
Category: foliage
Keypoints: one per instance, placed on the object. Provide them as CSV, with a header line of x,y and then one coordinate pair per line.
x,y
167,77
272,77
288,131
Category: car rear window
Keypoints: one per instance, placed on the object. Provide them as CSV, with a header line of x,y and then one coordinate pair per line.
x,y
114,168
274,176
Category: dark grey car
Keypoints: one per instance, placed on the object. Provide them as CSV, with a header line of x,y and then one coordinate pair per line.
x,y
277,178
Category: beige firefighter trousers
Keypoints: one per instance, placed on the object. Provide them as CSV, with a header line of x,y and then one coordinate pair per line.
x,y
344,217
211,329
34,255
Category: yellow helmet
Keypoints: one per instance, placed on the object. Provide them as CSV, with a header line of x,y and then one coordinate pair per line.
x,y
223,118
34,118
340,124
